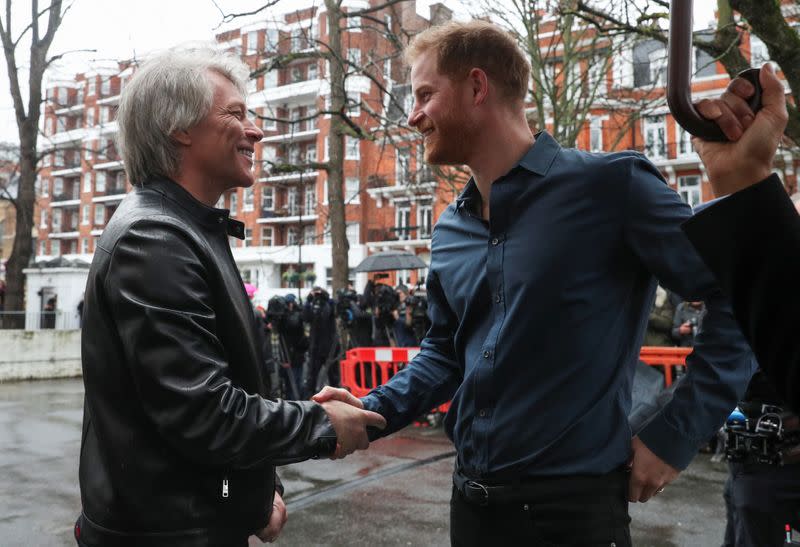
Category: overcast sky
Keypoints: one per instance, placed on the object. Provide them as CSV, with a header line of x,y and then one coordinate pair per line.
x,y
127,29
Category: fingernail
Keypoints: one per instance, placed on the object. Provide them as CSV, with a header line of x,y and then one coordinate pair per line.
x,y
768,68
714,111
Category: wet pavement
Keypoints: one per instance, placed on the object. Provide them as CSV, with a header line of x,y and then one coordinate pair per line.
x,y
394,494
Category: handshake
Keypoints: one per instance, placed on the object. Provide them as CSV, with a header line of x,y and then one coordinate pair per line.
x,y
350,420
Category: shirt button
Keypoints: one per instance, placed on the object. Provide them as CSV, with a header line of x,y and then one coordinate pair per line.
x,y
498,298
487,354
219,219
495,241
482,413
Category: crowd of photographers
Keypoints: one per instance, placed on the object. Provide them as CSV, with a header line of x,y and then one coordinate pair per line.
x,y
303,342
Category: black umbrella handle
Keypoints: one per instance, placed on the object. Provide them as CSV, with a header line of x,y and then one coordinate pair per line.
x,y
679,77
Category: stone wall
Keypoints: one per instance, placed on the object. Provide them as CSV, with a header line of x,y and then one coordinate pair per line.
x,y
27,354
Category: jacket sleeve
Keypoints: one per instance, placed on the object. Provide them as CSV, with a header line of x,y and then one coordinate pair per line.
x,y
163,308
430,379
751,241
721,364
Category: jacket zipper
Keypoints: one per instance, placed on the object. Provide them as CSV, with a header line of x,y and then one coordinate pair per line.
x,y
225,491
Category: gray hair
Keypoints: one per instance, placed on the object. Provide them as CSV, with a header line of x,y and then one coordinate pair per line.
x,y
170,92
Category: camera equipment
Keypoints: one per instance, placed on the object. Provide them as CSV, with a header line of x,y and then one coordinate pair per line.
x,y
386,300
277,307
345,299
319,298
419,315
277,315
766,435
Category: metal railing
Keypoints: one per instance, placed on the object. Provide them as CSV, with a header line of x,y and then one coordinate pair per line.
x,y
57,320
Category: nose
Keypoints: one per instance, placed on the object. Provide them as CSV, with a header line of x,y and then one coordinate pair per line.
x,y
252,131
415,116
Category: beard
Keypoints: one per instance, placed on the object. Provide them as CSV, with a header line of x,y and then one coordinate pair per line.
x,y
451,141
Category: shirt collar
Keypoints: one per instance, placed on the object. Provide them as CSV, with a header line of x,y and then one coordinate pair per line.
x,y
537,160
209,216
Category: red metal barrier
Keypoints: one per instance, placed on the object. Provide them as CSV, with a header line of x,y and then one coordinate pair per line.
x,y
366,368
669,358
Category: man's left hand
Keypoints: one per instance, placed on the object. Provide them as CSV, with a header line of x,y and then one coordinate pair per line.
x,y
277,519
649,473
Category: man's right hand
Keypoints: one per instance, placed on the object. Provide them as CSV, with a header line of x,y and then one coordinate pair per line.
x,y
686,328
350,422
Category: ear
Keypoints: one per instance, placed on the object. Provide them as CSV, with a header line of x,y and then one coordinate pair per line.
x,y
182,137
479,83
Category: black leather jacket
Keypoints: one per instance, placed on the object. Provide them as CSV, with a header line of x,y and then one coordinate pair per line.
x,y
179,438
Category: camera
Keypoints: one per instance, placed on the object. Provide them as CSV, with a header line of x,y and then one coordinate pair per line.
x,y
386,301
345,300
317,300
764,437
420,323
277,308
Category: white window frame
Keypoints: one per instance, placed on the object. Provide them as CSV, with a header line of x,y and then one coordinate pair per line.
x,y
267,236
655,137
100,181
234,204
402,166
252,42
85,245
248,237
758,51
292,201
87,182
309,235
43,220
267,198
596,134
352,149
353,233
99,214
247,199
685,146
691,193
291,235
402,220
352,189
424,220
310,199
85,214
55,247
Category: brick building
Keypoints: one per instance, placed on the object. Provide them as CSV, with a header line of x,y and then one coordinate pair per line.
x,y
392,199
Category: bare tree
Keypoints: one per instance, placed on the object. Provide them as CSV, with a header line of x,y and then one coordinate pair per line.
x,y
28,129
384,122
775,23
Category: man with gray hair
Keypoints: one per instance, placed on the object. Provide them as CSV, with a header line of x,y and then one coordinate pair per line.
x,y
180,438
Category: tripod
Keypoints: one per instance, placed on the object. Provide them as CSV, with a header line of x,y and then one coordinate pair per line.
x,y
284,360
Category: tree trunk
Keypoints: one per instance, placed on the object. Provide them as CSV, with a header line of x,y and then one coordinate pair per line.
x,y
340,246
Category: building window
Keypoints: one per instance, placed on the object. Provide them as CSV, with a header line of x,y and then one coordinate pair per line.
x,y
353,233
689,190
87,182
268,154
351,277
43,222
309,235
92,89
267,198
105,114
354,23
351,148
100,181
312,71
655,142
596,135
252,42
354,59
42,248
291,201
248,237
233,242
267,235
272,39
58,188
658,67
87,153
311,153
271,79
685,146
56,220
105,87
45,187
99,214
402,222
247,199
268,122
55,247
291,236
90,117
251,86
424,220
85,214
353,101
234,204
85,245
351,188
403,166
310,199
59,160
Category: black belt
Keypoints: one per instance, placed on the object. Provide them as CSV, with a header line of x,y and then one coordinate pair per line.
x,y
536,489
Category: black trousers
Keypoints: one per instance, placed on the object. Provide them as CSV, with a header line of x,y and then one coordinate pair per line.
x,y
574,511
760,501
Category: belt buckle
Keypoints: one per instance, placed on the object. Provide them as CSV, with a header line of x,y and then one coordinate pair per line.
x,y
481,490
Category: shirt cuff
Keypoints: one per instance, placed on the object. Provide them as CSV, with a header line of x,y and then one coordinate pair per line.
x,y
669,444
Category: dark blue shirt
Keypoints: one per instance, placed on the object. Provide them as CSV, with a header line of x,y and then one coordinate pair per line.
x,y
538,317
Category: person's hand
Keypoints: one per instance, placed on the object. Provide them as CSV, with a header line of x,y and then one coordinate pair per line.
x,y
649,473
285,365
329,393
747,159
686,328
277,519
350,424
